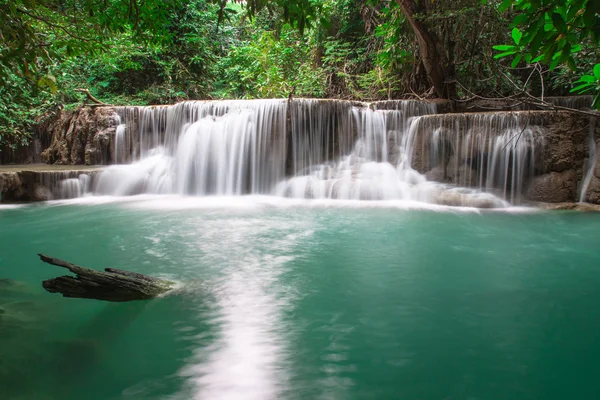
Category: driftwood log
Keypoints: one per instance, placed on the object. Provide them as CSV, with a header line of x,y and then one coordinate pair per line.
x,y
110,284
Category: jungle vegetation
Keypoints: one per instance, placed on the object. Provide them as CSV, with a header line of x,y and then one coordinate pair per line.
x,y
164,51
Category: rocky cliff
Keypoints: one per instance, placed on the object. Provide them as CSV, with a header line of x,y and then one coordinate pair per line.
x,y
84,136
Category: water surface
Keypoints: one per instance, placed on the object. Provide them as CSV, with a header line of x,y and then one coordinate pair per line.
x,y
303,302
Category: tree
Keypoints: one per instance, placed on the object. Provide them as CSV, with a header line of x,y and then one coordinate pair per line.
x,y
432,56
35,33
555,33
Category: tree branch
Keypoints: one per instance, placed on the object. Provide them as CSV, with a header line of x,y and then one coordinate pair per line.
x,y
92,98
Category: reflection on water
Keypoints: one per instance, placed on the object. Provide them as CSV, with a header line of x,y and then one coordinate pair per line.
x,y
247,361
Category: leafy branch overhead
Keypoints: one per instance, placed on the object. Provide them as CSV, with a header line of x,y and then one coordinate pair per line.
x,y
555,33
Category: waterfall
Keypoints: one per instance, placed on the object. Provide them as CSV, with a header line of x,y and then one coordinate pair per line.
x,y
492,152
201,148
322,149
373,167
120,149
591,162
71,188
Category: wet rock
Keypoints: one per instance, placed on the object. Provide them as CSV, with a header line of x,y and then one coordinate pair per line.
x,y
586,207
437,174
11,287
42,193
593,191
457,198
466,176
11,186
82,136
554,187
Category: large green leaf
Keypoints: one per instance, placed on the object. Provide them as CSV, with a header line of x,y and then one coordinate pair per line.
x,y
517,35
559,23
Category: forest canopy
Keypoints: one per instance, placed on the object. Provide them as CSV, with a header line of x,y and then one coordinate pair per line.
x,y
163,51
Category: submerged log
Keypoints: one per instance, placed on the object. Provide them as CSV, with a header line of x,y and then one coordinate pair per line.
x,y
109,285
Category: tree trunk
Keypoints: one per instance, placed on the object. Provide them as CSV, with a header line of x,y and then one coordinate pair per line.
x,y
110,284
434,60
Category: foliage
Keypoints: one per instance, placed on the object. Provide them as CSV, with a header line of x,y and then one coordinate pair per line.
x,y
556,33
164,51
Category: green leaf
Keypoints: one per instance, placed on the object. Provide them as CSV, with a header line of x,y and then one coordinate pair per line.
x,y
517,35
586,78
507,53
589,17
559,23
516,61
537,59
505,47
597,71
582,88
505,5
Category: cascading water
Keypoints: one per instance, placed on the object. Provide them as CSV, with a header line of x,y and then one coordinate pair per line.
x,y
592,161
313,149
492,152
376,167
202,148
120,145
74,187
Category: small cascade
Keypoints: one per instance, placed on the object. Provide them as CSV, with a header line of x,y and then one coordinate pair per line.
x,y
378,166
492,152
66,184
71,188
574,102
120,145
592,161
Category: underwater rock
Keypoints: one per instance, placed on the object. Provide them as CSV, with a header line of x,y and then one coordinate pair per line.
x,y
9,286
109,285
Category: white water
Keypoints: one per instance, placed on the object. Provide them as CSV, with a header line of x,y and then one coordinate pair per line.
x,y
120,149
327,150
201,148
492,152
591,162
74,187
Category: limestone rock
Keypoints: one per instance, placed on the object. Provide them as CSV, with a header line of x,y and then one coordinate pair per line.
x,y
82,136
587,207
554,187
593,191
437,174
42,193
